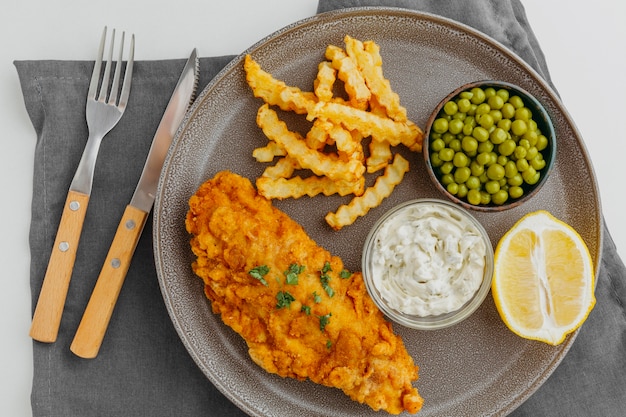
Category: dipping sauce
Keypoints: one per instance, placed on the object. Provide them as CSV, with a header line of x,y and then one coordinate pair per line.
x,y
428,259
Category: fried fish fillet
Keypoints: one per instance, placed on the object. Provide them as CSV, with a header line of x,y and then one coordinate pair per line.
x,y
301,313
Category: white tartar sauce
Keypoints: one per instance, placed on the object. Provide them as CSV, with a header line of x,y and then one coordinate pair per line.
x,y
428,260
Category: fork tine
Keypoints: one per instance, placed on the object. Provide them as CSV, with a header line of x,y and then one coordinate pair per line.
x,y
107,71
128,75
95,76
116,77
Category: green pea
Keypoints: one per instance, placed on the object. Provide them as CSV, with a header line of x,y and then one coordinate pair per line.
x,y
519,127
460,160
495,172
448,137
495,102
507,147
447,179
508,110
486,121
498,136
469,144
474,197
516,191
520,152
464,105
485,146
455,126
500,197
462,174
504,94
482,108
440,125
524,143
462,191
476,168
538,163
497,115
505,124
522,165
502,160
435,161
455,145
492,187
450,108
446,154
485,197
480,133
510,169
523,113
459,115
542,142
472,182
516,180
437,145
531,176
446,167
532,153
531,136
453,188
490,92
478,95
516,101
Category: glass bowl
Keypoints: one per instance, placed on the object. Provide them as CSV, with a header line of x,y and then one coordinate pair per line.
x,y
517,188
405,253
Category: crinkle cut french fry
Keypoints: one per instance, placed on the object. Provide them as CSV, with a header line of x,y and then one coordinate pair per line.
x,y
296,187
295,146
348,72
372,70
276,92
346,144
372,197
283,168
379,157
369,124
268,152
325,80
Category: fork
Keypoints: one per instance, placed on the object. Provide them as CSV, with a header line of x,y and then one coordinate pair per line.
x,y
103,112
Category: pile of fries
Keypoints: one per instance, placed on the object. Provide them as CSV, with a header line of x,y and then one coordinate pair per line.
x,y
332,150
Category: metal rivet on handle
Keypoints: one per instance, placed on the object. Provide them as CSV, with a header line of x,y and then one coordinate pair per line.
x,y
115,263
64,246
130,224
74,205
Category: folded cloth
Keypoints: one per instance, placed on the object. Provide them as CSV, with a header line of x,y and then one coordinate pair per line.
x,y
143,368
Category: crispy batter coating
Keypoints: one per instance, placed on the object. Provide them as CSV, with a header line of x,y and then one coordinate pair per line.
x,y
302,315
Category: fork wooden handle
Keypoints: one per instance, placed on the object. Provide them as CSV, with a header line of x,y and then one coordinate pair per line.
x,y
95,321
47,316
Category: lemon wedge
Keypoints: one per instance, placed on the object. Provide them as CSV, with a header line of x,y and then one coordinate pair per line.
x,y
543,282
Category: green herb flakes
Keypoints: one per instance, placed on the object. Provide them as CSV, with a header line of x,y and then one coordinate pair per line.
x,y
284,299
292,273
324,320
259,273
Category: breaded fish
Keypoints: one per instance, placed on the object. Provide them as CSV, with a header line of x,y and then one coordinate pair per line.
x,y
301,313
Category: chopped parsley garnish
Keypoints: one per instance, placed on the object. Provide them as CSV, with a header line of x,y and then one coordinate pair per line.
x,y
306,310
324,320
316,297
329,344
345,274
259,273
292,273
284,299
325,279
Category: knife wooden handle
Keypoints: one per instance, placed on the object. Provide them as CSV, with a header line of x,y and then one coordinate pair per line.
x,y
47,316
93,325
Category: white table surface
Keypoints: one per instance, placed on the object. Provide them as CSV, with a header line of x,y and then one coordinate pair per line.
x,y
583,46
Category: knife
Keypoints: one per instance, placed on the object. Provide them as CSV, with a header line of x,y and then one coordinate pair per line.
x,y
95,320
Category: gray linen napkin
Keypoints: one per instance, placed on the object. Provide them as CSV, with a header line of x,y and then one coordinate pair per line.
x,y
143,368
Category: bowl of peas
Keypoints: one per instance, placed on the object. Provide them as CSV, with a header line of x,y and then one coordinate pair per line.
x,y
489,146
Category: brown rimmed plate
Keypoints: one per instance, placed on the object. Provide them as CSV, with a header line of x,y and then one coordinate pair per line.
x,y
475,368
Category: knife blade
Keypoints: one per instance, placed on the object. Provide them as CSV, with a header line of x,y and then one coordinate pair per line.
x,y
95,320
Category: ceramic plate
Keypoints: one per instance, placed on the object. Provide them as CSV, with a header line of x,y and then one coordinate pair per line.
x,y
475,368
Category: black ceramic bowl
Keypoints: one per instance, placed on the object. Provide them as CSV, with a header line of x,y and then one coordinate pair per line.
x,y
517,192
